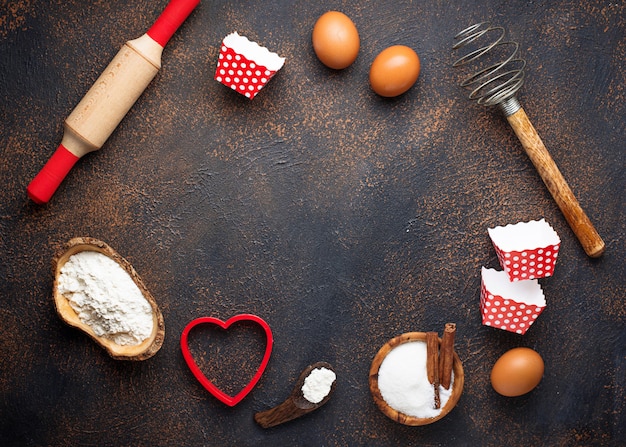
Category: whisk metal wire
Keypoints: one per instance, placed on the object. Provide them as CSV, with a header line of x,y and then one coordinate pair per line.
x,y
498,83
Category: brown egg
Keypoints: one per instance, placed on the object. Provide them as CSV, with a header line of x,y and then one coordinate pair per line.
x,y
335,40
517,372
394,70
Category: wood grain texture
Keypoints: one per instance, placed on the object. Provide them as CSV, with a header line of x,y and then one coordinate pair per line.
x,y
557,185
341,218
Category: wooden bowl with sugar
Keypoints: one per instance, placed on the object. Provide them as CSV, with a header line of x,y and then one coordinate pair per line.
x,y
397,415
141,351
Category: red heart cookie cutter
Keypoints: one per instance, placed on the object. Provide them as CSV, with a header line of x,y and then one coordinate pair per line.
x,y
206,383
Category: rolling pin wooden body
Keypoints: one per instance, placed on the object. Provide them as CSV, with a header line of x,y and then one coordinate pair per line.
x,y
582,227
109,99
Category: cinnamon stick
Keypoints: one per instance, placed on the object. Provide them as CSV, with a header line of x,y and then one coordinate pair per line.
x,y
432,363
446,356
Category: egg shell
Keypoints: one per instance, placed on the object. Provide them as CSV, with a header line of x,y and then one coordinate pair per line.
x,y
517,372
335,40
394,71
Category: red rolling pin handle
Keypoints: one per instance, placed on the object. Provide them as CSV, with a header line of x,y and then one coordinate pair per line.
x,y
44,184
170,20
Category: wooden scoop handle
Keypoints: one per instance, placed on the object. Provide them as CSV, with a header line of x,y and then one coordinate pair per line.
x,y
282,413
579,222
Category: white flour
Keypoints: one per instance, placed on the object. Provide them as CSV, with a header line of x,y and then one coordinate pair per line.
x,y
317,384
106,298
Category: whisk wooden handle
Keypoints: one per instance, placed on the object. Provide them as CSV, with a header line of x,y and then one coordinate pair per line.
x,y
589,238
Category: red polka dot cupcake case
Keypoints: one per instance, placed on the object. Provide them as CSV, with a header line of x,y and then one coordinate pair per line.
x,y
529,264
526,250
510,306
245,66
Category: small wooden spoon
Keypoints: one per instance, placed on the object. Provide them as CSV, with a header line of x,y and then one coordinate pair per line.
x,y
296,404
142,351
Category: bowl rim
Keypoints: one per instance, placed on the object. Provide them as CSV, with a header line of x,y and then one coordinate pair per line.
x,y
392,413
142,351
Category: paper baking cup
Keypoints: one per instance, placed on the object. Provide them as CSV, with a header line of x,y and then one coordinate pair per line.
x,y
245,66
526,250
511,306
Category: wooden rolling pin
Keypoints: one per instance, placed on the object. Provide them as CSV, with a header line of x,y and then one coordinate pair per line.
x,y
109,99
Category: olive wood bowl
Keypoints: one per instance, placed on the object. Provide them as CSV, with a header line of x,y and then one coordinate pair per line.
x,y
142,351
457,384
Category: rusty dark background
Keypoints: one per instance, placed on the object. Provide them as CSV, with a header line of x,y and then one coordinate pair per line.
x,y
341,218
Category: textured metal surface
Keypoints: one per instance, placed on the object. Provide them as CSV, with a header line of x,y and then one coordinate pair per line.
x,y
341,218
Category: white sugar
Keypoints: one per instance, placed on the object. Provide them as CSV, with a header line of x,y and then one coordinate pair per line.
x,y
404,385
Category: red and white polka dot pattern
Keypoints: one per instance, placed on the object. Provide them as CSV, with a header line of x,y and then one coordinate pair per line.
x,y
507,314
528,264
241,74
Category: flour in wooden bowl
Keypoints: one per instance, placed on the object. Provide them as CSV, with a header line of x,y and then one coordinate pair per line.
x,y
105,298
